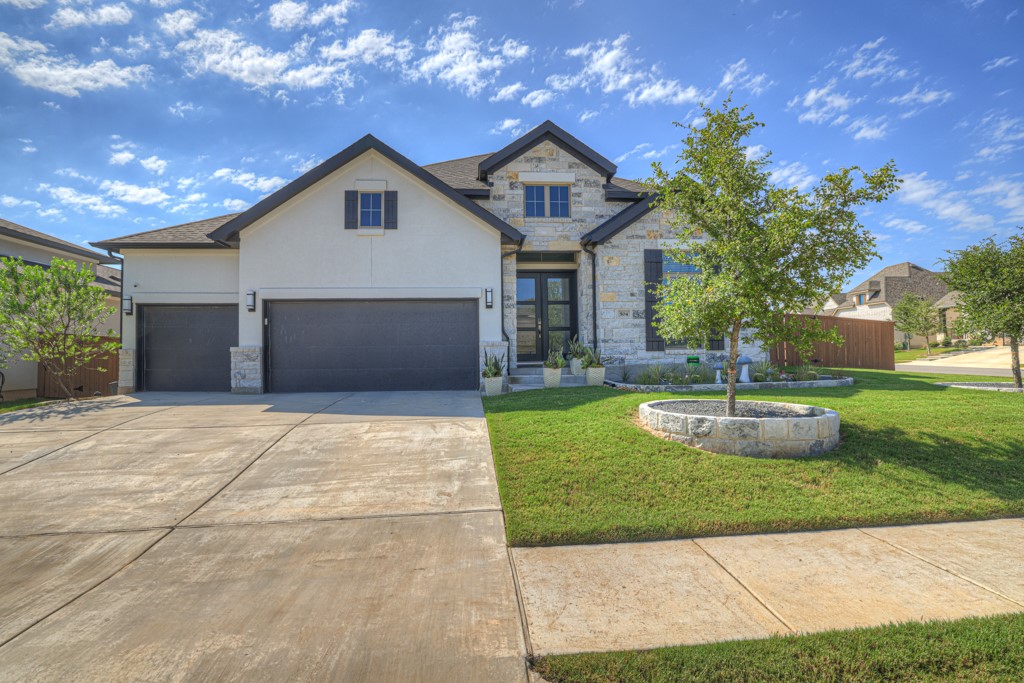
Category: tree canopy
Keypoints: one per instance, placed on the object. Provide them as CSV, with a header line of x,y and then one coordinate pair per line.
x,y
916,315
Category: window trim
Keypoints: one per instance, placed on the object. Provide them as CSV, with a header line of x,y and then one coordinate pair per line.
x,y
715,343
359,209
546,187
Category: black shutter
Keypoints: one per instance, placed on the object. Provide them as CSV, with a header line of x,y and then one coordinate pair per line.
x,y
391,210
351,209
652,278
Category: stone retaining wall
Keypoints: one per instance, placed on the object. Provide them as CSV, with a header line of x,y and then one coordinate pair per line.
x,y
747,386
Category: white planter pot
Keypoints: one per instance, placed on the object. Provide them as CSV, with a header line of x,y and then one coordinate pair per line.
x,y
492,385
595,377
552,378
576,366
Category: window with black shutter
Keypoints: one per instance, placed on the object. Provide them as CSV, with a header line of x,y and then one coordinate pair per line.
x,y
653,261
351,209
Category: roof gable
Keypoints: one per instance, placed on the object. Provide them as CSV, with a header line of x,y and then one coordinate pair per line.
x,y
228,232
547,131
20,232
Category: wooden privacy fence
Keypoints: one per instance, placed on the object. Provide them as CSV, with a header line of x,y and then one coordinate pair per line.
x,y
90,378
869,345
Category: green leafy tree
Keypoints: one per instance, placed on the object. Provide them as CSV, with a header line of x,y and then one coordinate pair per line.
x,y
914,314
761,250
49,315
990,279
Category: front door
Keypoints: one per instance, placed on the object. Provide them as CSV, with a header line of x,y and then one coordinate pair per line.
x,y
545,313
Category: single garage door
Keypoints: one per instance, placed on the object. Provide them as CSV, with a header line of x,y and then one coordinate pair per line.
x,y
380,345
186,348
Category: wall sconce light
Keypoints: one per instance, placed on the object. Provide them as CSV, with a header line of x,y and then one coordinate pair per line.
x,y
489,298
126,305
250,300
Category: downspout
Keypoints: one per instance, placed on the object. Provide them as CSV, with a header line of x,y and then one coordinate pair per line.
x,y
501,272
593,289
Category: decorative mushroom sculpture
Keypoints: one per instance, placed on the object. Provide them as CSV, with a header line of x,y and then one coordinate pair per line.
x,y
744,364
718,373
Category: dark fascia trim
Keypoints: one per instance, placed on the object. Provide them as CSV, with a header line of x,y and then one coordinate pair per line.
x,y
228,233
620,221
617,194
42,241
120,246
547,131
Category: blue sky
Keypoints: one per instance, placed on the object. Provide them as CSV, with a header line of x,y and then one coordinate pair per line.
x,y
122,116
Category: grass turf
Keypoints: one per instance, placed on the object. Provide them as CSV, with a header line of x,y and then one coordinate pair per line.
x,y
573,467
983,649
9,406
914,354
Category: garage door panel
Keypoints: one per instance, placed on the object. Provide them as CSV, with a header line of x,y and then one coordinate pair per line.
x,y
187,348
372,345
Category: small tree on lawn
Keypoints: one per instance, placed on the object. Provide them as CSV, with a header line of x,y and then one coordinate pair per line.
x,y
913,314
990,279
49,315
769,250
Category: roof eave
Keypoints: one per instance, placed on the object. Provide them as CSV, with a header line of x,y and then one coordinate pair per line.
x,y
57,246
547,130
119,246
619,221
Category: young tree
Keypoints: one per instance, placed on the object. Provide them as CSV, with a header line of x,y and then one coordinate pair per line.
x,y
990,279
915,315
768,251
49,316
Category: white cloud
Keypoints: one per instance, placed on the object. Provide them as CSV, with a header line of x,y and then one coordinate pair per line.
x,y
370,47
738,76
133,194
756,151
513,126
607,65
23,4
538,98
12,202
906,225
636,150
872,62
52,213
792,174
185,183
178,22
658,153
104,15
588,114
288,14
1002,135
121,158
80,201
1007,194
509,92
235,204
821,104
458,57
917,96
154,164
303,164
30,62
250,181
29,149
183,109
936,197
998,63
869,129
663,92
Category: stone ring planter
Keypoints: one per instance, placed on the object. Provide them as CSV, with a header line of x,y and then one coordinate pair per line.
x,y
982,386
761,429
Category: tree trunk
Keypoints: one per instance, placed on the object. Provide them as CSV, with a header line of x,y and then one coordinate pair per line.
x,y
1015,361
734,352
927,346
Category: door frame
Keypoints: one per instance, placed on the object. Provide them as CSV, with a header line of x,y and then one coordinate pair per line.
x,y
542,303
140,334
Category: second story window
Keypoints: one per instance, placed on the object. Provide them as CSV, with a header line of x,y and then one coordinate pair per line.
x,y
547,200
371,209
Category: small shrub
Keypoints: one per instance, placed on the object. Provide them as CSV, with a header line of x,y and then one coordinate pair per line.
x,y
947,342
759,377
652,374
626,374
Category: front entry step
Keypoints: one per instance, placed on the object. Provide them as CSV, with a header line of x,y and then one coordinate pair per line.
x,y
534,376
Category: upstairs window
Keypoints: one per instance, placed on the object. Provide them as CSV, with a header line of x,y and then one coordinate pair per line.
x,y
547,201
860,299
371,209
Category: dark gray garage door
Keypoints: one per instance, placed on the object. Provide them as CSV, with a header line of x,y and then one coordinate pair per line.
x,y
382,345
186,348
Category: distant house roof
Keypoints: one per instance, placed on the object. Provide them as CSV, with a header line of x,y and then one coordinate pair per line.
x,y
20,232
186,235
109,279
951,300
892,283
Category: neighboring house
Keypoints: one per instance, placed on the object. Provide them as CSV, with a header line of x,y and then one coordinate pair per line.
x,y
874,298
371,272
947,306
40,249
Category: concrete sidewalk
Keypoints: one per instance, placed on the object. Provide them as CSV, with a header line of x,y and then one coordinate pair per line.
x,y
632,596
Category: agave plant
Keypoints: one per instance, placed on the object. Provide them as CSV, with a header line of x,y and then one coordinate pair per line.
x,y
576,348
494,365
592,358
556,360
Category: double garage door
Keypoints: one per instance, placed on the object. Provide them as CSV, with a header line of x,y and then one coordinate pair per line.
x,y
379,345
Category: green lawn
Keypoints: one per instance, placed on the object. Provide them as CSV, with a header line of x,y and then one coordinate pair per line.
x,y
989,649
20,403
573,467
914,354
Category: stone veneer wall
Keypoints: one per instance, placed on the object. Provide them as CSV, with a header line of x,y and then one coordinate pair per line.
x,y
126,371
247,369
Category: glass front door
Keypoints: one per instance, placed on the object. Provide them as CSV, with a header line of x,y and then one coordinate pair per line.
x,y
545,313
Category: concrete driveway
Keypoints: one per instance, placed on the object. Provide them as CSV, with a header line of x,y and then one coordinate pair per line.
x,y
993,362
287,537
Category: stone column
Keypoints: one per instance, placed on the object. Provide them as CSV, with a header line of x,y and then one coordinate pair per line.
x,y
126,371
247,369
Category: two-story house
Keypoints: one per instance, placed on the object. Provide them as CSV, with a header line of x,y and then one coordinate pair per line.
x,y
372,272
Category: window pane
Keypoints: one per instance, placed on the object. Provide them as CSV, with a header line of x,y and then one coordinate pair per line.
x,y
558,315
370,213
526,343
526,289
558,289
559,198
534,200
526,317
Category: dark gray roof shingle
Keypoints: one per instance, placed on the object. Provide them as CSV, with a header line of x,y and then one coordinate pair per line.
x,y
34,236
194,234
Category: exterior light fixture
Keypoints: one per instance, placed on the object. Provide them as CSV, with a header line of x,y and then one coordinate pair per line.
x,y
489,297
126,305
250,300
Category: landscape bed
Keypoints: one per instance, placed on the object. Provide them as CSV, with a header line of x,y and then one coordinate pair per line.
x,y
740,386
574,466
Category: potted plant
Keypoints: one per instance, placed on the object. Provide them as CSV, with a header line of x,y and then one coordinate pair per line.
x,y
577,353
553,369
594,368
493,373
